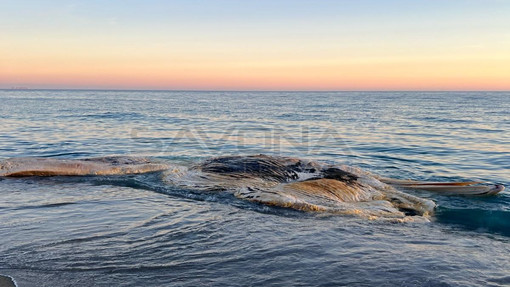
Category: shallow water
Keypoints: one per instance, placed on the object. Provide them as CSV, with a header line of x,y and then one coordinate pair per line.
x,y
134,230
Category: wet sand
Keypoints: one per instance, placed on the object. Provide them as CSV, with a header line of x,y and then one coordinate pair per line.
x,y
6,281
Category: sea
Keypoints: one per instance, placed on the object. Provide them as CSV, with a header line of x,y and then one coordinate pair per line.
x,y
134,230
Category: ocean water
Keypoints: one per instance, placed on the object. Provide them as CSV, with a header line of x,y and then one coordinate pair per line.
x,y
133,230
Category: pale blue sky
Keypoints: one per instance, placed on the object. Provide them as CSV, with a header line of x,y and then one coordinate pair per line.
x,y
248,31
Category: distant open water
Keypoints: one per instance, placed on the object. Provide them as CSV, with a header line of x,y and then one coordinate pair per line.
x,y
135,231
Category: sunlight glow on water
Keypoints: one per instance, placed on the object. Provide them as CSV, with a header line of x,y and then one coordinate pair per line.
x,y
135,231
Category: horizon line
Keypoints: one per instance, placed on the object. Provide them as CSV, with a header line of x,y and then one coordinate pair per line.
x,y
226,90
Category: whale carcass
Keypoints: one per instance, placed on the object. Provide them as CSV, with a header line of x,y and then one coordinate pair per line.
x,y
271,180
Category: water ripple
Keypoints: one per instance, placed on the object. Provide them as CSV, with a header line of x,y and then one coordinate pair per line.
x,y
134,231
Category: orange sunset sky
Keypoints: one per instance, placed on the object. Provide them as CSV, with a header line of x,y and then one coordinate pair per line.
x,y
256,45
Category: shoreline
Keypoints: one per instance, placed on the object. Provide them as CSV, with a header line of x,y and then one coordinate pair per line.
x,y
7,281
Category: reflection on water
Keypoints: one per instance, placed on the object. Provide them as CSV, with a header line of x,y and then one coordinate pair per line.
x,y
452,134
134,231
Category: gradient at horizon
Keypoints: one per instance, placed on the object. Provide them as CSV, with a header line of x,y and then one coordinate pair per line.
x,y
256,45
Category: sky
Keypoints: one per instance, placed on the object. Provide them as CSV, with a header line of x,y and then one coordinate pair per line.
x,y
255,45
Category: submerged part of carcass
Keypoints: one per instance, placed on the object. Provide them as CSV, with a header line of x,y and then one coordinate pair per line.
x,y
113,165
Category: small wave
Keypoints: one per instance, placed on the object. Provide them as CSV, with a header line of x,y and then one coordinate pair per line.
x,y
106,115
445,120
493,221
504,281
68,154
48,205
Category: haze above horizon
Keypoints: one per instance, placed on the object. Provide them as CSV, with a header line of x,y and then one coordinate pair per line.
x,y
255,45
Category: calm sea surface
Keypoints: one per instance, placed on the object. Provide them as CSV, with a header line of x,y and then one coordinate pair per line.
x,y
135,231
